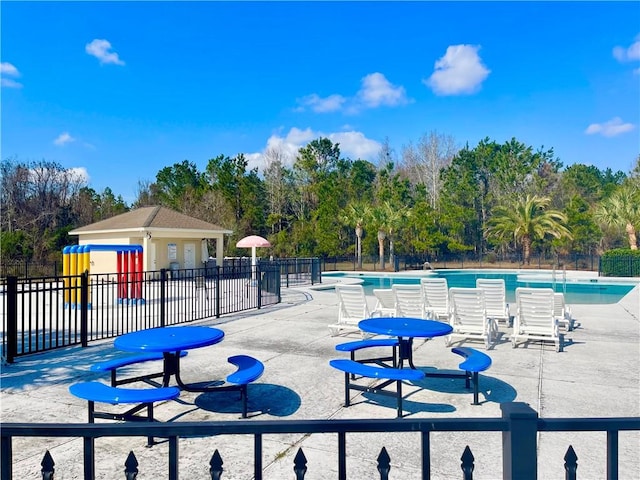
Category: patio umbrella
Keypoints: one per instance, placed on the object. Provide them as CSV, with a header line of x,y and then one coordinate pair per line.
x,y
253,241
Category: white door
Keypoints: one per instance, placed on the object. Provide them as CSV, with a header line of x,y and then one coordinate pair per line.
x,y
189,255
152,256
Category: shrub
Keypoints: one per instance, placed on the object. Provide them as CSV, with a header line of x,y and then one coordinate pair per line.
x,y
620,262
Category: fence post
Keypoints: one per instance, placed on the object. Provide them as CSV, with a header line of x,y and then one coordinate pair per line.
x,y
12,319
600,266
259,285
163,295
519,445
218,291
84,309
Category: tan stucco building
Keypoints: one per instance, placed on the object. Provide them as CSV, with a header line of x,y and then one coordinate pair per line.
x,y
168,238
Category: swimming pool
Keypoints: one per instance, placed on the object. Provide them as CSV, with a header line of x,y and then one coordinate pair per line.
x,y
586,291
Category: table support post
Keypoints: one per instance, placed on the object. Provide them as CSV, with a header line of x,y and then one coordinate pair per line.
x,y
406,351
171,367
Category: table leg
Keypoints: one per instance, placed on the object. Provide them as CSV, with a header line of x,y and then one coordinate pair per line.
x,y
171,367
406,351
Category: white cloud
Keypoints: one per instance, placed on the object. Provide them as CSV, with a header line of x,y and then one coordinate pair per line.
x,y
290,143
628,54
9,83
254,160
101,50
318,104
76,174
377,90
63,139
9,70
459,71
613,127
353,144
80,173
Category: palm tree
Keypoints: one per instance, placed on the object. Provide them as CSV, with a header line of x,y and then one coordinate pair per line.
x,y
355,215
380,220
396,217
526,220
622,210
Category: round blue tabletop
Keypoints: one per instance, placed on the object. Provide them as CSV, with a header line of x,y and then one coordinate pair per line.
x,y
168,339
405,327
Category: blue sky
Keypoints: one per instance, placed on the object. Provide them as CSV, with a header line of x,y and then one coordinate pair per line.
x,y
120,90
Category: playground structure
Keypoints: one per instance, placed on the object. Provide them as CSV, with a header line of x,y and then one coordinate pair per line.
x,y
76,260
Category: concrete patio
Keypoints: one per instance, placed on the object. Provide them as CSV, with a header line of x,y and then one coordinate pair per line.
x,y
597,375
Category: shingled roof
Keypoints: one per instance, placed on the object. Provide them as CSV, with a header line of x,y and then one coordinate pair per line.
x,y
150,217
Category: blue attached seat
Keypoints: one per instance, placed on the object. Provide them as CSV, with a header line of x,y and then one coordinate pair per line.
x,y
353,347
249,370
143,398
398,375
115,363
475,361
367,343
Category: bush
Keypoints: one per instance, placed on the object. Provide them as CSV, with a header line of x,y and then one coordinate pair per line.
x,y
491,258
620,262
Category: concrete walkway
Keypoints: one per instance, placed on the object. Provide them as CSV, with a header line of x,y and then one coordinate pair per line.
x,y
598,375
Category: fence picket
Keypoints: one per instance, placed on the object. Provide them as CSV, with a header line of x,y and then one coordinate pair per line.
x,y
570,464
216,466
384,464
300,465
47,466
467,464
131,466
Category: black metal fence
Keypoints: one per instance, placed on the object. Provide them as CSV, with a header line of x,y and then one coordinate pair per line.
x,y
45,313
300,271
28,268
620,266
519,427
463,260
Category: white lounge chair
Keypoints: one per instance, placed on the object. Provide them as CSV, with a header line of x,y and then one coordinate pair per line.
x,y
468,316
435,292
535,319
562,312
352,307
385,302
495,298
408,300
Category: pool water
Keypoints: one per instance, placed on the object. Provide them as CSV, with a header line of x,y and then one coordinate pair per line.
x,y
590,291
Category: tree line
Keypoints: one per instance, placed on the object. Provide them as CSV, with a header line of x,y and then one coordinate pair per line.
x,y
432,198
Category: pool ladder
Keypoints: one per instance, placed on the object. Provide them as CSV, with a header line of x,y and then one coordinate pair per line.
x,y
564,279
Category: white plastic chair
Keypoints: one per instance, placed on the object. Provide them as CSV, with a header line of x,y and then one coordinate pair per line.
x,y
468,316
435,292
408,300
352,307
535,319
562,312
495,298
385,302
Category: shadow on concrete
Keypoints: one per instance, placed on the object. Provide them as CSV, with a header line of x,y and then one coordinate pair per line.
x,y
408,406
490,389
264,398
65,365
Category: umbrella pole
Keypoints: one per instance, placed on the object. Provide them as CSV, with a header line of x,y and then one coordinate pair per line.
x,y
254,265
